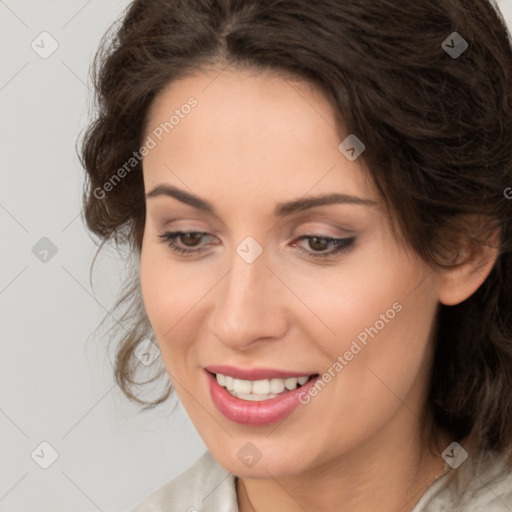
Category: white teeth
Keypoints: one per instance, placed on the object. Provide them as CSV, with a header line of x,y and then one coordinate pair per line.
x,y
259,387
251,397
229,383
290,384
256,390
242,386
277,385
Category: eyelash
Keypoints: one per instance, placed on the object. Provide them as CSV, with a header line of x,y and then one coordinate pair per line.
x,y
344,244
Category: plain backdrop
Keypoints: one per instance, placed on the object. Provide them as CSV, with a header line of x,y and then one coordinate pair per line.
x,y
59,406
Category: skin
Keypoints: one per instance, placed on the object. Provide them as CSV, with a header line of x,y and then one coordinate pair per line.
x,y
256,139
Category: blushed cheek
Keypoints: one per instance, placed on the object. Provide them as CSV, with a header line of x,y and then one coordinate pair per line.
x,y
159,294
393,356
371,320
346,304
170,302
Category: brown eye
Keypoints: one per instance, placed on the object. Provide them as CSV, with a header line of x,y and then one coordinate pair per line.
x,y
185,242
323,247
318,243
190,239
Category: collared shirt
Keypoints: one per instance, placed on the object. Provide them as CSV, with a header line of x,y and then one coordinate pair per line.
x,y
208,487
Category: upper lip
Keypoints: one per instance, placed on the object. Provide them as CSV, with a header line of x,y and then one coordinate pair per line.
x,y
255,373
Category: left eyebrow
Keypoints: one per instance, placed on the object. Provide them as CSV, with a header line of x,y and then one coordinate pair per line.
x,y
288,208
281,210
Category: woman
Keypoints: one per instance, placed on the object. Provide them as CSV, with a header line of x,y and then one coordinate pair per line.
x,y
315,196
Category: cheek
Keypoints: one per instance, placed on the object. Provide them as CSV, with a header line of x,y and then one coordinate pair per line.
x,y
376,317
172,295
385,357
345,301
167,295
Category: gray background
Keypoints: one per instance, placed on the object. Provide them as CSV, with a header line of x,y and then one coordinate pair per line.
x,y
55,377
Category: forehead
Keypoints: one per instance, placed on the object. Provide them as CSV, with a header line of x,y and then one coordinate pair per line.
x,y
249,127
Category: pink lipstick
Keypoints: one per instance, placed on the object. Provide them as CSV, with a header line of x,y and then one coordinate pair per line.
x,y
261,412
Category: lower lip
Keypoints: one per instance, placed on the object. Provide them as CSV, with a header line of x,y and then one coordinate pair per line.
x,y
263,412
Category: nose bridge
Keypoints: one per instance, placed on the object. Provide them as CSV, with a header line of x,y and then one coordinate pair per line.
x,y
247,304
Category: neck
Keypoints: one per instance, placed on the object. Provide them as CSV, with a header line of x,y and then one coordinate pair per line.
x,y
385,474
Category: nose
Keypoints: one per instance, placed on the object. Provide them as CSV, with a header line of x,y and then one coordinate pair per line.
x,y
249,305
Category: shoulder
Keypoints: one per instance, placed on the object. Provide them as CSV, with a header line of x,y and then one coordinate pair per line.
x,y
484,484
491,487
204,486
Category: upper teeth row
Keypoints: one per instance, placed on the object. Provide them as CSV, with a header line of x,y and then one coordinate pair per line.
x,y
259,387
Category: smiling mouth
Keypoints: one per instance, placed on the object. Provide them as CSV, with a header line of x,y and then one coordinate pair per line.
x,y
259,390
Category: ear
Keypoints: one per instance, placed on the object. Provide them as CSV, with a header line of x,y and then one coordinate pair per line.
x,y
472,265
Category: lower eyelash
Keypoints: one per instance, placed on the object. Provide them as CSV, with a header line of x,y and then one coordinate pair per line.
x,y
342,244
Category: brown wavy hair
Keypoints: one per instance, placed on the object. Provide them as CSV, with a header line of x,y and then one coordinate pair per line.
x,y
438,136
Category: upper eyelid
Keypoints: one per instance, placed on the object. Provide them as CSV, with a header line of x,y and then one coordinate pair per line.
x,y
313,214
284,226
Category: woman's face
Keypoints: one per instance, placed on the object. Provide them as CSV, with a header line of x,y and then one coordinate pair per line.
x,y
264,295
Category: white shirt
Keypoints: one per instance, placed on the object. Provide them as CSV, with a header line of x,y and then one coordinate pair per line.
x,y
208,487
